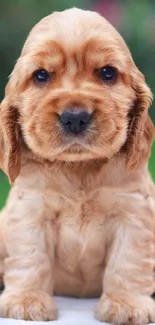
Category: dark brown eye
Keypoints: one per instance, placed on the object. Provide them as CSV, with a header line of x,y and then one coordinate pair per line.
x,y
107,73
41,76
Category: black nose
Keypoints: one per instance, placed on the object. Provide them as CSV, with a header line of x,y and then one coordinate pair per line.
x,y
75,121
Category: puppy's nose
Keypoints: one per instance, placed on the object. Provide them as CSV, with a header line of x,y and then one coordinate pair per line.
x,y
75,121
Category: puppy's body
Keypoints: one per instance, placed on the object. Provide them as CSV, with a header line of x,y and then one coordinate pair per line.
x,y
80,218
81,211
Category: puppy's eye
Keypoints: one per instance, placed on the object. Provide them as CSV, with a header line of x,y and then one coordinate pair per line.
x,y
108,73
41,76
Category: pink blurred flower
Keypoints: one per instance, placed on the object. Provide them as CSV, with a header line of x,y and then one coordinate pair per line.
x,y
111,10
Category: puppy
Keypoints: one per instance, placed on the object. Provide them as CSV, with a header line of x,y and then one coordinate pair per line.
x,y
75,140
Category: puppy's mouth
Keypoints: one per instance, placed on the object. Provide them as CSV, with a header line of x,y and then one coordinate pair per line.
x,y
74,147
75,151
75,144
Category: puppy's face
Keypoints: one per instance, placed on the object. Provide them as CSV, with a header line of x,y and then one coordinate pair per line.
x,y
74,87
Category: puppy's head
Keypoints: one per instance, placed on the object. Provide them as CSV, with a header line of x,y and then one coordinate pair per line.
x,y
75,94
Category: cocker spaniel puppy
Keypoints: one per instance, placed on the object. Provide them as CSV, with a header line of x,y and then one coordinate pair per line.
x,y
74,141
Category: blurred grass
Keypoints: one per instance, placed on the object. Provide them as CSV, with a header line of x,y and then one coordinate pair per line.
x,y
4,184
152,162
4,189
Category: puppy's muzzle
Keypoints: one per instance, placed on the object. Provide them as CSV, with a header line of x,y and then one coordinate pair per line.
x,y
75,121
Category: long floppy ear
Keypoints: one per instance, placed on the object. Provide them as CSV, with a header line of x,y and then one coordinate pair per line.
x,y
141,129
9,140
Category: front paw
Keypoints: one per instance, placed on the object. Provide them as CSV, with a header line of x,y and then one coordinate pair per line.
x,y
125,310
36,306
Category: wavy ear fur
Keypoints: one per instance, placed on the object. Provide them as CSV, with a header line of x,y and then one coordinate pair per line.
x,y
141,130
9,140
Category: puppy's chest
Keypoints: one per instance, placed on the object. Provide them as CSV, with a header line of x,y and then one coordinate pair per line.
x,y
80,226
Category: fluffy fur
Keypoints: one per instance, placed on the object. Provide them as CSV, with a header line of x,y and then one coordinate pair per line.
x,y
80,218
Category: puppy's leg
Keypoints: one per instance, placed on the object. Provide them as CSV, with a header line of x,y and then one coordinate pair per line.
x,y
28,267
128,279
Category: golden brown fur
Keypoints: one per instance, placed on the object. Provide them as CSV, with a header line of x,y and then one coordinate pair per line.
x,y
80,218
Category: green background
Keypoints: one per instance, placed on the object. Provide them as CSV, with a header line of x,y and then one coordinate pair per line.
x,y
135,19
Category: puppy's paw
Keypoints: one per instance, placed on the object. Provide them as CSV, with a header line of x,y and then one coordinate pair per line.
x,y
125,311
36,306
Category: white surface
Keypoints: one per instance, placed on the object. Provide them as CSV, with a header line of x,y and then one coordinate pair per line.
x,y
71,312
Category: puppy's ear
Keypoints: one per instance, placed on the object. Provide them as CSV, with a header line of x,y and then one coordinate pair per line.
x,y
141,130
10,155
